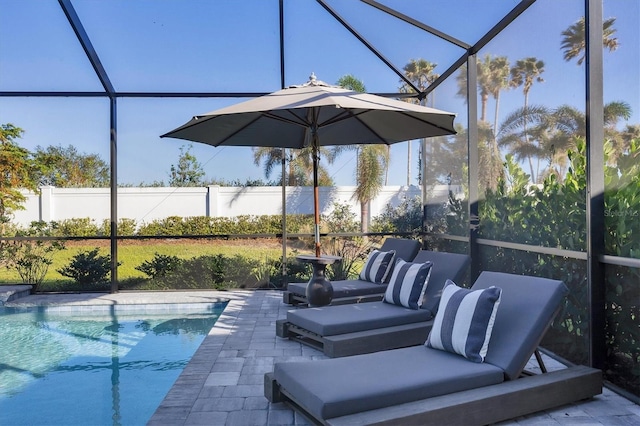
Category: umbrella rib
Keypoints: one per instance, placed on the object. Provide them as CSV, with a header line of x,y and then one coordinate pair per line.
x,y
298,121
350,114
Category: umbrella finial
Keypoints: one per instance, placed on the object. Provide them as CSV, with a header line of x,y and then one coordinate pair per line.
x,y
312,78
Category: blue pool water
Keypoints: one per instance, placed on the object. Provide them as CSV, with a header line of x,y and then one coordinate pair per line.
x,y
94,368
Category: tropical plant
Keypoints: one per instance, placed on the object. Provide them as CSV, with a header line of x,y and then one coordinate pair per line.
x,y
372,162
300,167
524,73
573,39
420,73
524,135
552,214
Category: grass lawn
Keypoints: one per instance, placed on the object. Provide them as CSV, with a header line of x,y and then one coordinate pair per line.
x,y
132,253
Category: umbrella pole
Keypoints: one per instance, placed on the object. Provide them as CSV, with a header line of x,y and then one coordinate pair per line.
x,y
316,196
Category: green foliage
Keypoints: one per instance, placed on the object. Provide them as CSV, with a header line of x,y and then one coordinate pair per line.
x,y
126,227
407,217
31,258
17,171
201,272
77,227
160,265
202,225
341,219
622,238
67,168
351,250
88,268
188,172
553,214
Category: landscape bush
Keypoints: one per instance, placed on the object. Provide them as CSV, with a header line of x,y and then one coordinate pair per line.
x,y
88,269
553,214
30,258
160,265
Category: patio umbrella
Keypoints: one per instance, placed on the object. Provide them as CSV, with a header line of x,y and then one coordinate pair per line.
x,y
315,114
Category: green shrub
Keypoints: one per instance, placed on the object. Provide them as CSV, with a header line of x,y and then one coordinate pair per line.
x,y
554,214
31,258
202,272
160,265
88,268
126,227
77,227
407,217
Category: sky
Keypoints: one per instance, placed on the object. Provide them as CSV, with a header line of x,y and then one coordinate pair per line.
x,y
233,46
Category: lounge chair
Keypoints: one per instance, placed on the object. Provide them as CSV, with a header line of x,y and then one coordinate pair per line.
x,y
353,329
422,385
356,291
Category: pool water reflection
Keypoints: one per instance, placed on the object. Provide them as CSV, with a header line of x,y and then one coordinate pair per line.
x,y
100,368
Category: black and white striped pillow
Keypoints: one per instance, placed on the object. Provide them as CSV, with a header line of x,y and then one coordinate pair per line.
x,y
377,267
408,283
464,321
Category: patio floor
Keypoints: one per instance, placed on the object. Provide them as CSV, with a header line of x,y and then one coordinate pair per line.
x,y
223,382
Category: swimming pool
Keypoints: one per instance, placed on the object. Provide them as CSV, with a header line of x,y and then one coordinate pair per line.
x,y
102,367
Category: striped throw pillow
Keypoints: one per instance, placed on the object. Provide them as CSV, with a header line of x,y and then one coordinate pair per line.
x,y
464,321
377,267
408,283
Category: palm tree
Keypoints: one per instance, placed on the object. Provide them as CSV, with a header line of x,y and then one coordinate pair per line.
x,y
493,78
525,73
421,73
498,80
552,133
300,169
525,143
573,41
373,162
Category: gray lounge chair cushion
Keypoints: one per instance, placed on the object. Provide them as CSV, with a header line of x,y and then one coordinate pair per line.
x,y
341,319
397,376
407,284
452,266
526,310
341,386
345,288
405,249
464,322
378,266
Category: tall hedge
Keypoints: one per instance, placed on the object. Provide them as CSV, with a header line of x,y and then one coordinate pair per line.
x,y
553,214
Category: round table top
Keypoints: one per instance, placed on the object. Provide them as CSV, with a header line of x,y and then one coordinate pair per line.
x,y
324,259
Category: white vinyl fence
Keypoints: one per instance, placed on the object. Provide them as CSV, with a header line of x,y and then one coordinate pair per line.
x,y
144,205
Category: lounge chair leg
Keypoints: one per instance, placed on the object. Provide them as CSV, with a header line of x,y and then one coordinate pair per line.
x,y
271,389
282,328
543,368
286,298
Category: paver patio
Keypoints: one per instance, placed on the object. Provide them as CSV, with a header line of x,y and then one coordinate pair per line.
x,y
223,382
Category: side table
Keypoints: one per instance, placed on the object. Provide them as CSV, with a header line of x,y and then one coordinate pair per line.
x,y
319,288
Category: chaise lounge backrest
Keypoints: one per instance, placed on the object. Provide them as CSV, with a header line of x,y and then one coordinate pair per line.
x,y
406,249
452,266
526,310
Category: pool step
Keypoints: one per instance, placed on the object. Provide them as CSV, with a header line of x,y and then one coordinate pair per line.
x,y
13,292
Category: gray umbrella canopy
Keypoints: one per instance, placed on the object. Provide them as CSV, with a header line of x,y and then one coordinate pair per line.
x,y
315,114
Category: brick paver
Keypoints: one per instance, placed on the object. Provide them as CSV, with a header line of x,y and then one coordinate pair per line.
x,y
223,383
